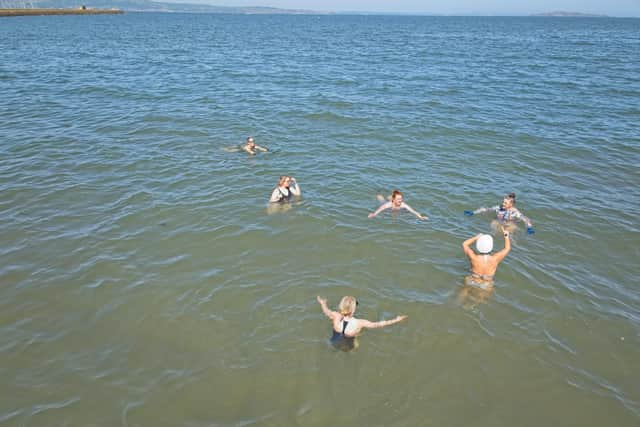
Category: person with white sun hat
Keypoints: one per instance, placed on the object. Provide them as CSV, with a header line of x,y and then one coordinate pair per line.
x,y
484,264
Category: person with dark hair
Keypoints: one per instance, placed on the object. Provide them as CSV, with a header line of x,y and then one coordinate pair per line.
x,y
251,146
506,212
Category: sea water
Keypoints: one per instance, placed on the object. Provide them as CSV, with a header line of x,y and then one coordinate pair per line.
x,y
145,282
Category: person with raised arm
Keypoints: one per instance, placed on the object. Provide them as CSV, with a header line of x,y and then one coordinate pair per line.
x,y
346,327
484,264
285,190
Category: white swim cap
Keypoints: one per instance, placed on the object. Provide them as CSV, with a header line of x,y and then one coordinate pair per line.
x,y
484,244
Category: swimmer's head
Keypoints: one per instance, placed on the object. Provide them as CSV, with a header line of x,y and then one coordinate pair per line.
x,y
396,197
509,200
250,141
348,305
284,181
484,244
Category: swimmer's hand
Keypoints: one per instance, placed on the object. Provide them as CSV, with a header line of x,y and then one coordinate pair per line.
x,y
401,318
423,217
468,213
530,230
371,215
321,300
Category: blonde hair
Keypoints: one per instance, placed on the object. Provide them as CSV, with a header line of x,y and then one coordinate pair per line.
x,y
282,179
347,305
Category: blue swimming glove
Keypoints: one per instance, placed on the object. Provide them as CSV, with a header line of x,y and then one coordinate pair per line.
x,y
468,213
530,230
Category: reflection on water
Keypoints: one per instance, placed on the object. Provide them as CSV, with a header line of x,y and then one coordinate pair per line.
x,y
474,291
276,208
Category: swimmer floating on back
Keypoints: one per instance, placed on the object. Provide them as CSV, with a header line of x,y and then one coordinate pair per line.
x,y
506,213
284,191
346,327
395,204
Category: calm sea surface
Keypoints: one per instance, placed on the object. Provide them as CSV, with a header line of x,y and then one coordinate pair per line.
x,y
144,282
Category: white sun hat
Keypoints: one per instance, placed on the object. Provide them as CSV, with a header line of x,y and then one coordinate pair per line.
x,y
484,244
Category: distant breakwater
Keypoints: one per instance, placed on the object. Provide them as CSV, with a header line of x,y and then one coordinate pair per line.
x,y
77,11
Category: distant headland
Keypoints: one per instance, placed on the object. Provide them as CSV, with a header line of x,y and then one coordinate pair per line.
x,y
150,6
570,14
82,10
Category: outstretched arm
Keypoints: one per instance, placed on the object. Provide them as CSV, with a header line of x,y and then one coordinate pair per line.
x,y
295,189
382,323
524,219
258,147
410,209
483,210
323,304
382,207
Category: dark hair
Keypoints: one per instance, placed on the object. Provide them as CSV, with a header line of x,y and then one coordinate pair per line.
x,y
512,196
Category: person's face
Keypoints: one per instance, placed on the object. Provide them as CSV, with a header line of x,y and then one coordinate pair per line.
x,y
251,143
287,182
397,201
507,203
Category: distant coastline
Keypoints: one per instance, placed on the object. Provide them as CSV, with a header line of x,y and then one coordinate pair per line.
x,y
159,6
570,14
52,11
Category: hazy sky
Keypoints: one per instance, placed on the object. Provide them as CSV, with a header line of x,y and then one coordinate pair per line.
x,y
479,7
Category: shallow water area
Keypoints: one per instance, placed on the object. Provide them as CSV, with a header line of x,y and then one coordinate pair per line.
x,y
145,280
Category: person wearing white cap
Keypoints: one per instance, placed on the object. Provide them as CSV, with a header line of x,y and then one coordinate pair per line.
x,y
484,264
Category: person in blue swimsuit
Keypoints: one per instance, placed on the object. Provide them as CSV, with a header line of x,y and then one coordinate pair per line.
x,y
285,190
506,213
346,327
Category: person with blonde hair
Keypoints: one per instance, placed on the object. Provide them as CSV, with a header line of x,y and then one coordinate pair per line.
x,y
345,326
396,203
284,191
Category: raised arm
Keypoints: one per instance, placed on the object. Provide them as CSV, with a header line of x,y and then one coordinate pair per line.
x,y
382,323
467,243
418,214
500,255
382,207
323,304
295,188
